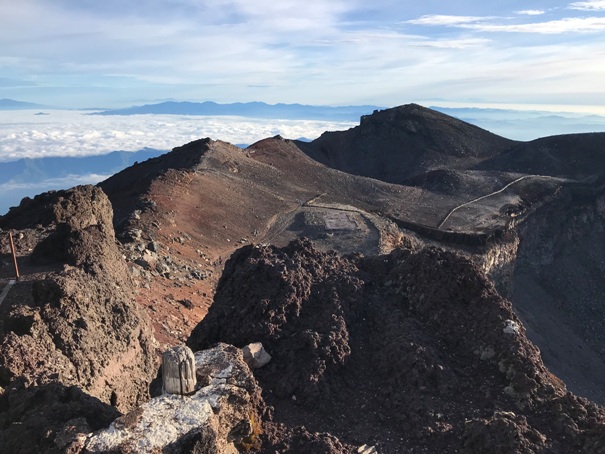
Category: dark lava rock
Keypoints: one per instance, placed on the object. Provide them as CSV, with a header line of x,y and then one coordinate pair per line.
x,y
296,305
49,418
77,324
395,144
301,441
413,351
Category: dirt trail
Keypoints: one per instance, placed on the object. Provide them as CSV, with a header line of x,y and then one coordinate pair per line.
x,y
453,210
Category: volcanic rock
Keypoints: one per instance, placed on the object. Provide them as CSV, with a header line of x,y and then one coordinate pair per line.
x,y
255,355
76,322
221,417
400,339
313,290
50,418
395,144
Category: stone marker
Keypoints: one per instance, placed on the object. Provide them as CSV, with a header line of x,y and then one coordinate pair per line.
x,y
178,371
255,355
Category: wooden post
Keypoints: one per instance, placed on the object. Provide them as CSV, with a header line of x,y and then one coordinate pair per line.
x,y
178,371
10,236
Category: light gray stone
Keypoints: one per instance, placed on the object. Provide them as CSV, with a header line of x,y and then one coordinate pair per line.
x,y
255,355
220,417
178,371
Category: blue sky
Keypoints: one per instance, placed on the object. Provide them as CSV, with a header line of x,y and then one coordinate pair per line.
x,y
85,53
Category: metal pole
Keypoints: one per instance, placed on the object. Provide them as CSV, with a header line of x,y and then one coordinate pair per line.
x,y
10,236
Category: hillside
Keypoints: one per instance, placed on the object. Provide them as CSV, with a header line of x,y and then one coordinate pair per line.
x,y
577,156
395,144
446,297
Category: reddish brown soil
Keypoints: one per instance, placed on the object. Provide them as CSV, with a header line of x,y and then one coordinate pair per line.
x,y
226,198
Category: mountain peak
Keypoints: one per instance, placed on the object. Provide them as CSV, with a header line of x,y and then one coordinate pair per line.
x,y
397,143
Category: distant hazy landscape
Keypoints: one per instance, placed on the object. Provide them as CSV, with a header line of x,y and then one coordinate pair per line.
x,y
43,149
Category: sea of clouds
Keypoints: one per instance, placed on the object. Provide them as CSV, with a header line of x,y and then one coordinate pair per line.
x,y
28,134
57,133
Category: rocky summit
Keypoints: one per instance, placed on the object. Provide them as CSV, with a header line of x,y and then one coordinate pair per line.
x,y
414,284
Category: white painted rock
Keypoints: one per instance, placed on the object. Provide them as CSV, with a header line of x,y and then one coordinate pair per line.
x,y
255,355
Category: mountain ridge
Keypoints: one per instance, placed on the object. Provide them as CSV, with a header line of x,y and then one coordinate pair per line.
x,y
394,144
380,298
12,104
247,109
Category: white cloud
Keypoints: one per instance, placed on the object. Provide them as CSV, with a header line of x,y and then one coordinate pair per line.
x,y
335,52
530,12
462,43
53,183
68,133
486,24
594,5
446,20
567,25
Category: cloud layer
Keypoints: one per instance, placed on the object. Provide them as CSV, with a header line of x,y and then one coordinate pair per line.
x,y
71,133
494,25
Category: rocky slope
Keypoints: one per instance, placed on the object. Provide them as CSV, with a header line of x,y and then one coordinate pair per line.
x,y
411,351
530,213
388,328
396,144
71,320
181,215
560,270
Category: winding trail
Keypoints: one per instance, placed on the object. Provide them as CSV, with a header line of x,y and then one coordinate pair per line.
x,y
453,210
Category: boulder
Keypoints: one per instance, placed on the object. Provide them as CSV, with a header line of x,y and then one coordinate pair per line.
x,y
78,323
222,416
255,355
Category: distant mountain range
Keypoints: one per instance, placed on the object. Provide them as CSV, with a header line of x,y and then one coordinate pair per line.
x,y
11,104
29,169
249,109
512,123
29,176
526,124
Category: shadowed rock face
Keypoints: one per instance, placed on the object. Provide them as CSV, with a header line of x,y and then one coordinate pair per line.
x,y
76,322
395,144
419,343
49,418
558,289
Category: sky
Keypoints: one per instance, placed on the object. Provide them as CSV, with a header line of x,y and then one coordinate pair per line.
x,y
114,53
